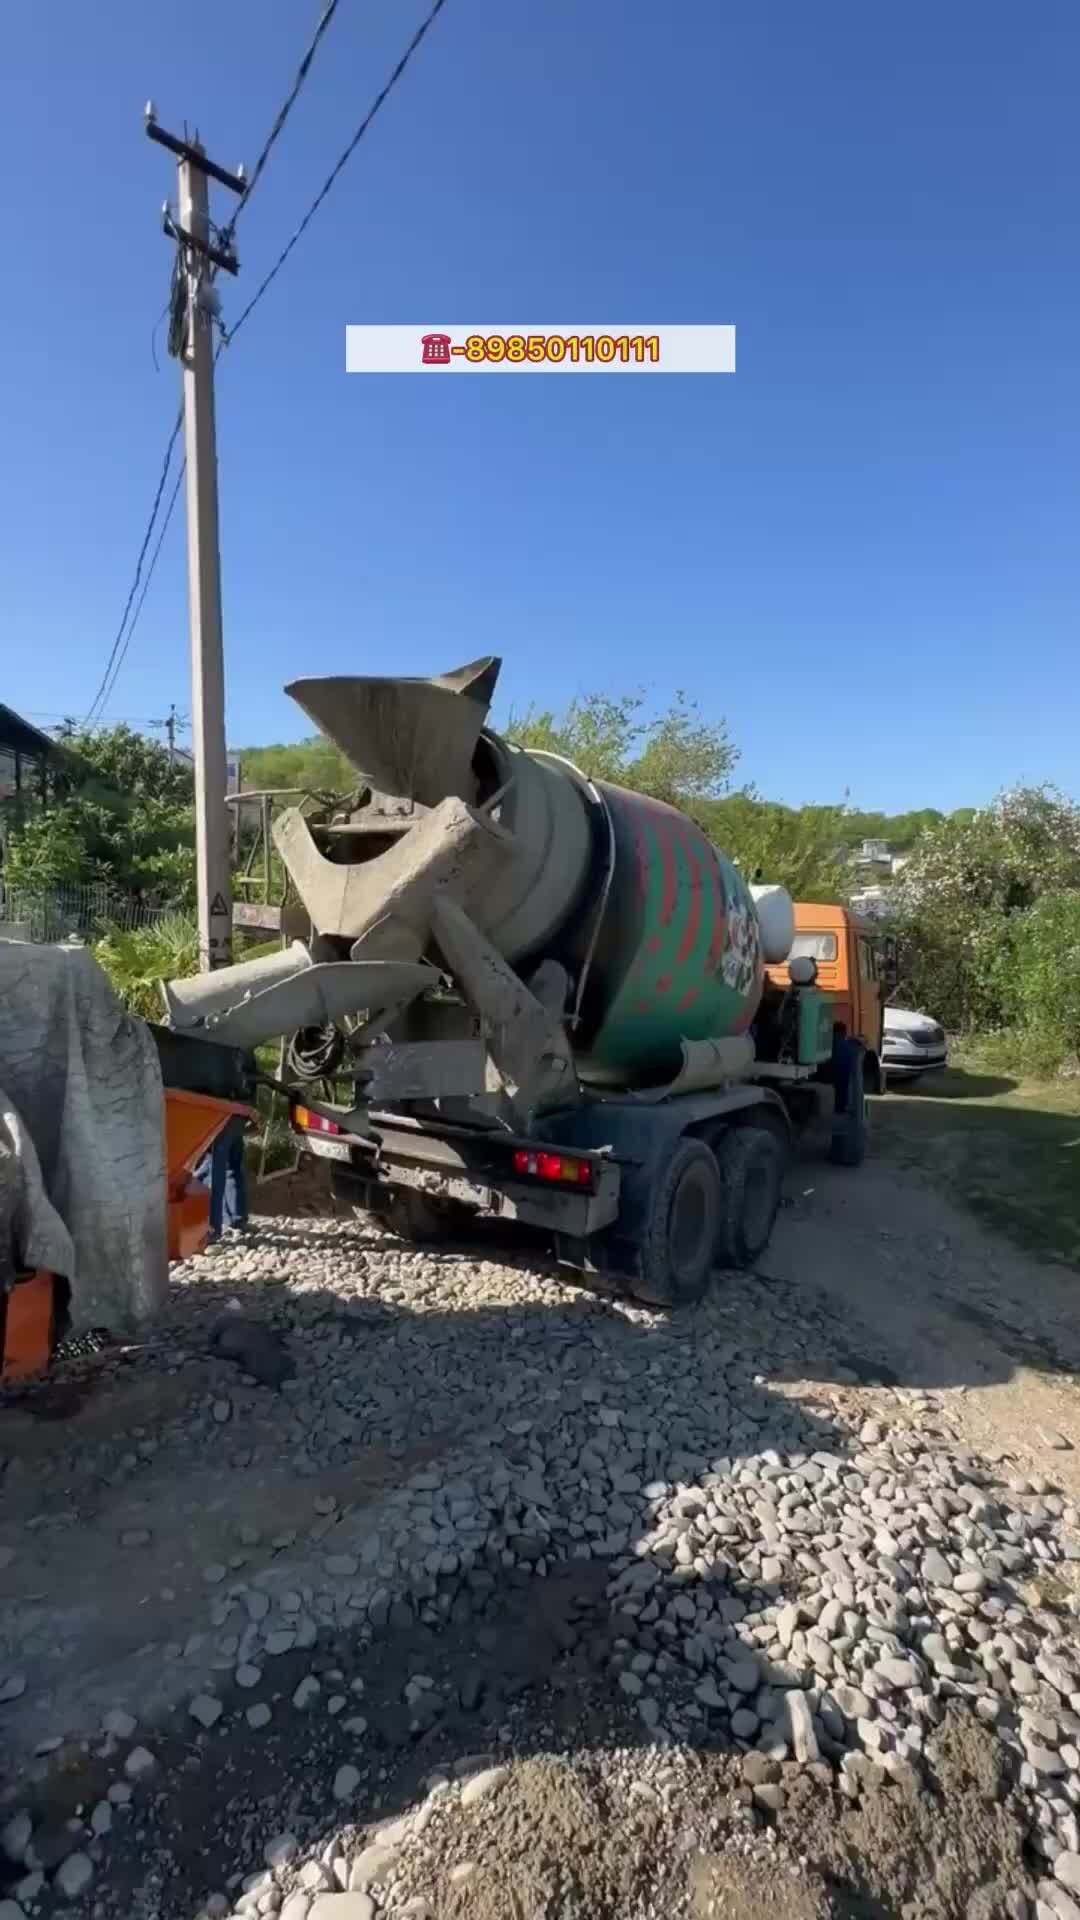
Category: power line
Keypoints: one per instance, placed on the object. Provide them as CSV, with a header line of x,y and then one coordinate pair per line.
x,y
178,483
281,117
283,113
147,536
118,651
105,692
120,719
340,165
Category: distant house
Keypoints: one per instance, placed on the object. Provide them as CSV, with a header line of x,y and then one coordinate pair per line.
x,y
872,867
872,902
874,861
874,856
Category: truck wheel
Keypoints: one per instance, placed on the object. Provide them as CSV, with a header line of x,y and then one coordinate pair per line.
x,y
752,1162
850,1129
677,1248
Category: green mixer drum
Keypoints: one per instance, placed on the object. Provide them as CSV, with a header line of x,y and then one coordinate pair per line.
x,y
679,952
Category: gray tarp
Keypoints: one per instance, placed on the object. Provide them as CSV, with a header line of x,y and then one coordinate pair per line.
x,y
82,1160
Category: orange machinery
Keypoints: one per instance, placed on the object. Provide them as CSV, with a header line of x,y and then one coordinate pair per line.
x,y
855,964
31,1311
192,1124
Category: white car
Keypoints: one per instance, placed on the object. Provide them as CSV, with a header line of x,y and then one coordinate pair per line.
x,y
913,1044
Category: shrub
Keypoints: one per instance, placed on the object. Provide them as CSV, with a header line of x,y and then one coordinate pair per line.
x,y
989,918
137,961
1038,978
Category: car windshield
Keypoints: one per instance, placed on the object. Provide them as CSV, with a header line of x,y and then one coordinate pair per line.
x,y
813,946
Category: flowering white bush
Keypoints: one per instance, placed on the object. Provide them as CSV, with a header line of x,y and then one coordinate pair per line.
x,y
989,919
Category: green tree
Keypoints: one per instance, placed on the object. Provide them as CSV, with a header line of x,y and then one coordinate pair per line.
x,y
799,848
1038,976
118,765
678,757
315,765
902,831
964,899
686,760
45,849
124,815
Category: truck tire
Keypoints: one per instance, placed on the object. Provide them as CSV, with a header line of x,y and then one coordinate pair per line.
x,y
752,1162
850,1129
677,1246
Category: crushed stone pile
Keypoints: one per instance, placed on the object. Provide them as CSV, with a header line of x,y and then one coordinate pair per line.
x,y
644,1615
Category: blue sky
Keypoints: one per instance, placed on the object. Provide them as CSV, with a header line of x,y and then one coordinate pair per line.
x,y
863,549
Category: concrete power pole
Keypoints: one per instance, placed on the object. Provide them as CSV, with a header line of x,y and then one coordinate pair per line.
x,y
170,727
193,305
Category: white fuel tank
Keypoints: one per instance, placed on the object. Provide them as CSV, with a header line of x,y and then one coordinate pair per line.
x,y
776,916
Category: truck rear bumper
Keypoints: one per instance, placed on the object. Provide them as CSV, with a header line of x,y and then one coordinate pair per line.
x,y
474,1171
574,1215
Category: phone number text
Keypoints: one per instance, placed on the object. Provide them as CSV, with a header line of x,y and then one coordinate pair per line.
x,y
626,348
601,348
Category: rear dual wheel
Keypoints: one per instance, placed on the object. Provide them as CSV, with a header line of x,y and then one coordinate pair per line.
x,y
708,1209
677,1248
752,1164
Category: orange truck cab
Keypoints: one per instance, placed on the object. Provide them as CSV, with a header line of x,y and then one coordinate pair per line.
x,y
853,965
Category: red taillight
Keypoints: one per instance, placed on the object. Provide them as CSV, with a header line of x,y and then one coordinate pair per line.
x,y
308,1122
564,1168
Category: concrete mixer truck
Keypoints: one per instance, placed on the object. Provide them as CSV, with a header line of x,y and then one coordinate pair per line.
x,y
535,997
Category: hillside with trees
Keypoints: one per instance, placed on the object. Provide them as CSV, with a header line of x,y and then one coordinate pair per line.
x,y
678,756
987,906
314,764
128,821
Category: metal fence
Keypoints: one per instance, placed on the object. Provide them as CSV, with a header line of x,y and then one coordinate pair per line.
x,y
57,913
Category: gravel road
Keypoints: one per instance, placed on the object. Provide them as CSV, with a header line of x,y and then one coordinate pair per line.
x,y
378,1581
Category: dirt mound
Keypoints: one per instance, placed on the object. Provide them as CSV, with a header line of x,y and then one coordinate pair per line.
x,y
616,1835
945,1853
551,1849
556,1848
727,1887
563,1840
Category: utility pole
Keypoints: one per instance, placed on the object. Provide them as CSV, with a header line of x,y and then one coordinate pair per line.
x,y
192,309
170,727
